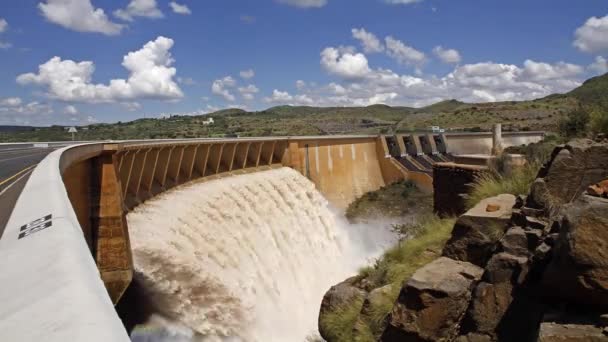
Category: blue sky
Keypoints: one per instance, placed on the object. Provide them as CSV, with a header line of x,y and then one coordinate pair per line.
x,y
59,57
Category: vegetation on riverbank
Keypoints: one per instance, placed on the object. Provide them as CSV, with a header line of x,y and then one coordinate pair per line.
x,y
399,202
363,322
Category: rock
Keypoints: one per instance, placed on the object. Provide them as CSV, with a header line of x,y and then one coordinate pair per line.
x,y
595,190
335,298
571,170
578,272
490,208
534,237
515,241
505,267
473,337
520,200
604,320
533,212
536,223
476,232
432,302
376,299
494,295
554,332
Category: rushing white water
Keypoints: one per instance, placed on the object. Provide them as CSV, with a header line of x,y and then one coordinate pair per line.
x,y
245,258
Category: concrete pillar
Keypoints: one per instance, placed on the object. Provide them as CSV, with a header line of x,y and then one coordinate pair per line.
x,y
497,139
202,156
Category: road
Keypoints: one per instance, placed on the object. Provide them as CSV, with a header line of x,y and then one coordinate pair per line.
x,y
16,164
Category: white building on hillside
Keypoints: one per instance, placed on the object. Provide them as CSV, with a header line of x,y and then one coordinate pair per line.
x,y
208,122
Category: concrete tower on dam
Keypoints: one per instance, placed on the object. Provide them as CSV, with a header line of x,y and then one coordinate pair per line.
x,y
94,186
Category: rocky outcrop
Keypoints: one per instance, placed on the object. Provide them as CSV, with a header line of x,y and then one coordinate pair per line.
x,y
476,232
432,302
572,169
578,271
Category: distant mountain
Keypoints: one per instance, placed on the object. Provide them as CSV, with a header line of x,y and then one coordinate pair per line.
x,y
16,128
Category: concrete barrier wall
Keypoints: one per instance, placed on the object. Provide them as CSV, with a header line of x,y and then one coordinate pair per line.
x,y
50,288
481,143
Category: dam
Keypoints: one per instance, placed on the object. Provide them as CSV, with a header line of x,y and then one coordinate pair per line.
x,y
69,246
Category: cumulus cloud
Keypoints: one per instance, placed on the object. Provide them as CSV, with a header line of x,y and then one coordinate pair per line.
x,y
593,35
479,82
369,41
11,102
150,77
304,3
139,8
247,74
3,25
448,56
344,63
403,53
283,97
70,109
32,113
78,15
220,88
248,92
179,9
599,66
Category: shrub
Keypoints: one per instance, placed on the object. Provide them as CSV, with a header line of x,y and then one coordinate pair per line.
x,y
599,121
574,124
493,183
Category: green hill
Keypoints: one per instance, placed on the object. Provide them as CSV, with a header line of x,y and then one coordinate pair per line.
x,y
593,92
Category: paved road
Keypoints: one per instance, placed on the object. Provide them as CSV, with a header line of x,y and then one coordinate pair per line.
x,y
16,164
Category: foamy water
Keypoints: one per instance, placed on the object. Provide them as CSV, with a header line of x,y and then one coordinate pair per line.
x,y
245,258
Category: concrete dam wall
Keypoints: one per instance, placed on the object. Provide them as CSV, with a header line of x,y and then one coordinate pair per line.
x,y
72,212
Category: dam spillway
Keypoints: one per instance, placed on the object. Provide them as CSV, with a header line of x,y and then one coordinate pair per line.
x,y
245,258
79,233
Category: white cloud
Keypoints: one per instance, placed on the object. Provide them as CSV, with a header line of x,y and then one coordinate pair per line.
x,y
247,74
248,92
283,97
599,66
448,56
593,35
10,102
78,15
4,45
402,2
70,109
344,63
478,82
300,84
369,41
150,77
179,9
538,71
139,8
403,53
3,25
220,86
248,19
31,113
304,3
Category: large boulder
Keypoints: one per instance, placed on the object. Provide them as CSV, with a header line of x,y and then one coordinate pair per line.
x,y
572,169
476,232
432,302
578,271
338,297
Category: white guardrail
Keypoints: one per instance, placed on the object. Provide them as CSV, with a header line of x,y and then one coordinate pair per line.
x,y
50,288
